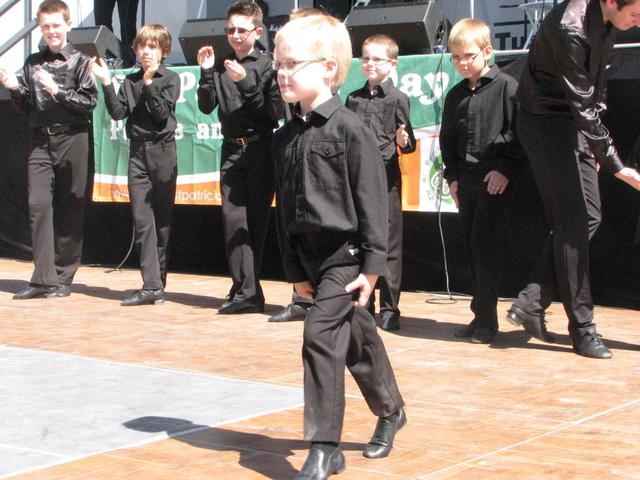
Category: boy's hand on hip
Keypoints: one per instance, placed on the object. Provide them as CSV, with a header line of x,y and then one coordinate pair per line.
x,y
235,70
496,182
206,57
364,283
304,289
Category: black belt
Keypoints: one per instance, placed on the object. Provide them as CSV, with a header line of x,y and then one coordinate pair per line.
x,y
58,129
243,140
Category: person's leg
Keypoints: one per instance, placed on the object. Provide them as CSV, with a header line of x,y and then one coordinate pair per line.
x,y
69,202
391,281
41,181
163,171
103,12
128,15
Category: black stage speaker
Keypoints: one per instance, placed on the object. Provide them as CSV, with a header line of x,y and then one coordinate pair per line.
x,y
418,27
210,31
95,42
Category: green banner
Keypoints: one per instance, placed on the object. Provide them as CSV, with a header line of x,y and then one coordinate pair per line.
x,y
424,78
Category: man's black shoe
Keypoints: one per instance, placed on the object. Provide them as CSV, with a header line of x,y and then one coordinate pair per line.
x,y
380,444
483,335
590,345
323,461
63,290
144,297
34,291
232,307
390,321
291,312
465,332
535,325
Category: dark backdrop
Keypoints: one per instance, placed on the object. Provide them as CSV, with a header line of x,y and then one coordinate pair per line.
x,y
197,246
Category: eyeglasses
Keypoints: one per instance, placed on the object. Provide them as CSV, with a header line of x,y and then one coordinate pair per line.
x,y
290,65
240,30
465,59
375,60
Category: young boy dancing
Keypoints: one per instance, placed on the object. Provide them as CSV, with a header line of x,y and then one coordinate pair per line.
x,y
244,89
385,109
148,99
332,225
476,141
58,92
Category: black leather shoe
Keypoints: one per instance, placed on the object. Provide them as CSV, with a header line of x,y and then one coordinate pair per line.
x,y
291,312
590,345
63,290
380,444
390,321
483,335
465,332
535,325
323,461
231,307
144,297
34,291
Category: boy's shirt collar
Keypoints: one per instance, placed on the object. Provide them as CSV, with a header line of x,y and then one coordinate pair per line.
x,y
65,52
380,90
486,78
324,110
254,55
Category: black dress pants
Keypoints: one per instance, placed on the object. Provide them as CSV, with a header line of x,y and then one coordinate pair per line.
x,y
152,191
389,283
481,216
127,14
57,177
565,173
337,334
247,185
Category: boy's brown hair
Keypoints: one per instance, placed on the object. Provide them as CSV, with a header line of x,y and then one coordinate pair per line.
x,y
154,33
246,9
54,6
385,40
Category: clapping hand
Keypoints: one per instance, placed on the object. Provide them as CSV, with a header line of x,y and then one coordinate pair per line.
x,y
206,57
45,79
402,137
100,70
235,70
8,80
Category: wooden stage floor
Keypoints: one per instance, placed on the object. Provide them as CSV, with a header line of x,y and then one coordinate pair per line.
x,y
517,409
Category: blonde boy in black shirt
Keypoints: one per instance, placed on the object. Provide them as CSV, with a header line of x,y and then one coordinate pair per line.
x,y
476,141
244,90
332,230
385,109
148,99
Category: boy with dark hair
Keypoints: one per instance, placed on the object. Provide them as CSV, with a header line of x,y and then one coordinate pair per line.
x,y
477,145
385,109
58,91
148,99
332,230
244,89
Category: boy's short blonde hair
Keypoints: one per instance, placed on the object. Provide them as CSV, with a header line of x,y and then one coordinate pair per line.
x,y
325,37
385,40
154,33
470,31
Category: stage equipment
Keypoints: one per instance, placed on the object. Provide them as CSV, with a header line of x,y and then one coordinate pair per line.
x,y
95,42
210,31
418,27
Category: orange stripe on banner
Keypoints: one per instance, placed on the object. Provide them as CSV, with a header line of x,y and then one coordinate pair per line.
x,y
410,169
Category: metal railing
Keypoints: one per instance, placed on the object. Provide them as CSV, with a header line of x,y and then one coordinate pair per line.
x,y
25,32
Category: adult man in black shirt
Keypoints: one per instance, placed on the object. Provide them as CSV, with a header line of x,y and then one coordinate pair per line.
x,y
561,95
58,91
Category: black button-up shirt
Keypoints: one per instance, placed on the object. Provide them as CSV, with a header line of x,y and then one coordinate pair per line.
x,y
151,109
330,179
383,108
566,73
77,92
477,128
248,107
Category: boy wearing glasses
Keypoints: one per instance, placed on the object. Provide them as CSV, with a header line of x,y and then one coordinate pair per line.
x,y
477,145
148,98
385,109
332,232
244,89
